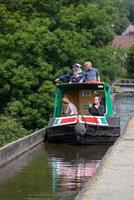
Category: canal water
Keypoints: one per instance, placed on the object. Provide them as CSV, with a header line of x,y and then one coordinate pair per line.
x,y
50,172
57,172
124,105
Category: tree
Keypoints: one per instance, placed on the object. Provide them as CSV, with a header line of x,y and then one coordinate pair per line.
x,y
130,62
10,130
40,40
129,5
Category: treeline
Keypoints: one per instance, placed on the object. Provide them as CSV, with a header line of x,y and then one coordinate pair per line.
x,y
129,5
39,41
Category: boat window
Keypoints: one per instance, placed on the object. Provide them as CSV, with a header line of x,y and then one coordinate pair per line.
x,y
96,93
86,93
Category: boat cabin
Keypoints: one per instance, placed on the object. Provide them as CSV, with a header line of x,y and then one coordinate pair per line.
x,y
80,94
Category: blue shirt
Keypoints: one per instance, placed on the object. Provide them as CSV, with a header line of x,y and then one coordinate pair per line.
x,y
90,74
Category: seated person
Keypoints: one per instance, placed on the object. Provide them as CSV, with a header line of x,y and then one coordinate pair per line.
x,y
97,108
74,76
70,107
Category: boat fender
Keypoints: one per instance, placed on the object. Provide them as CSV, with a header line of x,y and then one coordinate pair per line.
x,y
80,129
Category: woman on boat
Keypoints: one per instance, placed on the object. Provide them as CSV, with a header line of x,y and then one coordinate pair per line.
x,y
70,108
97,108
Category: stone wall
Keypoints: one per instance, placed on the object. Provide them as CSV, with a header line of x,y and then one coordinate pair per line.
x,y
16,148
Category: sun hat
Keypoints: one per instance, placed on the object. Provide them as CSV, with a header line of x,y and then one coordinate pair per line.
x,y
76,65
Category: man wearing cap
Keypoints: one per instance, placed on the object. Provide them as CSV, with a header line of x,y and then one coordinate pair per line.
x,y
77,66
77,74
74,76
91,74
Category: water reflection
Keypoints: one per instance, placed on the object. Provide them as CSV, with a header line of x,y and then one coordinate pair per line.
x,y
56,172
10,169
72,166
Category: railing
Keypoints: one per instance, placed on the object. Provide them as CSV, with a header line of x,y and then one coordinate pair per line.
x,y
125,83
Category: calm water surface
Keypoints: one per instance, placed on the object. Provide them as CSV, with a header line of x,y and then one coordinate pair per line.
x,y
57,172
50,172
125,106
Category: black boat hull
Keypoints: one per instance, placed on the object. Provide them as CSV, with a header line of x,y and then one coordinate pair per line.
x,y
94,134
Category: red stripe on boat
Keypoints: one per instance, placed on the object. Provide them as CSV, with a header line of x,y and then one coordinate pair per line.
x,y
68,120
90,120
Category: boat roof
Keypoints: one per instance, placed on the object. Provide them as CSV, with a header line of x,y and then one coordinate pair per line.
x,y
71,86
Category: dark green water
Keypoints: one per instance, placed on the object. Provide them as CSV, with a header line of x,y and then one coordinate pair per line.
x,y
50,172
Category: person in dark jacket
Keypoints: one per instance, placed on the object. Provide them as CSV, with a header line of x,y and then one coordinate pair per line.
x,y
77,75
74,76
97,108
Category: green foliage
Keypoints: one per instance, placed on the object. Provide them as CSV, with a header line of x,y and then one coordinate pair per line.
x,y
110,61
40,40
117,18
10,130
129,5
130,63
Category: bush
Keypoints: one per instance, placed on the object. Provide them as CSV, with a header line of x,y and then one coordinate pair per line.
x,y
10,130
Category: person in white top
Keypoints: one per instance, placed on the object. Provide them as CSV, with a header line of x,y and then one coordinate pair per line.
x,y
70,109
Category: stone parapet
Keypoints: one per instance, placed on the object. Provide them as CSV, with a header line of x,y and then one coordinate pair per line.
x,y
18,147
114,179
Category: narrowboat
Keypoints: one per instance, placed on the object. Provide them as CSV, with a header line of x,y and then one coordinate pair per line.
x,y
83,128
